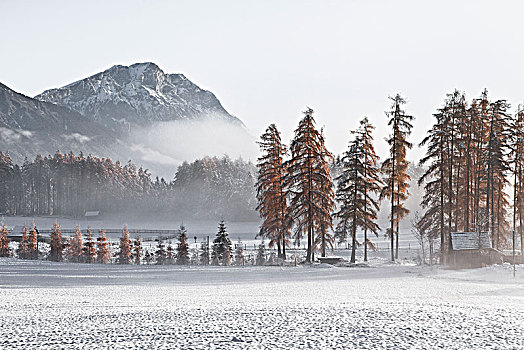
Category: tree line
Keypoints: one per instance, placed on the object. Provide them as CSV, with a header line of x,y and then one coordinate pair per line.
x,y
70,185
84,247
474,156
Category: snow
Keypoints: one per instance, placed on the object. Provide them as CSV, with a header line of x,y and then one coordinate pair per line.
x,y
403,306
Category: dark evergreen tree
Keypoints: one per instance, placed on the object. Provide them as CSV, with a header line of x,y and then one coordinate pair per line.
x,y
204,255
160,254
182,256
170,255
221,254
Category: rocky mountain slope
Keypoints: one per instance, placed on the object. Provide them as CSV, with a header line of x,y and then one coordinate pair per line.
x,y
29,127
123,97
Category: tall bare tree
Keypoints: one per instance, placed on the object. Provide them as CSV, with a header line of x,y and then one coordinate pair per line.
x,y
395,168
271,190
357,187
310,185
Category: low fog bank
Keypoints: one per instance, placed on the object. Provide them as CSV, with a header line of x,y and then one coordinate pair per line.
x,y
165,145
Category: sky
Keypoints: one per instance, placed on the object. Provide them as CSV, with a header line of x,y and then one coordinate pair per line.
x,y
267,60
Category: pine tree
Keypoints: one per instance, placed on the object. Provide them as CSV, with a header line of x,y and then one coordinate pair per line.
x,y
103,252
357,185
74,247
271,190
239,253
170,255
261,254
124,255
57,245
395,168
89,250
148,257
204,255
310,185
4,240
23,246
137,250
182,257
160,253
221,246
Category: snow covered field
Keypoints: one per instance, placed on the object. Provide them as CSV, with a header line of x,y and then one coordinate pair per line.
x,y
51,305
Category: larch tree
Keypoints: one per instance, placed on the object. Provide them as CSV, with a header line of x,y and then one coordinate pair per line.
x,y
310,186
182,256
103,252
518,174
4,240
470,152
32,244
137,250
271,190
261,254
239,253
434,180
124,254
357,187
23,245
89,247
75,246
395,168
497,168
326,200
57,245
517,163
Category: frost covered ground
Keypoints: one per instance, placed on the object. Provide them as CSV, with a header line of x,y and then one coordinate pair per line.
x,y
51,305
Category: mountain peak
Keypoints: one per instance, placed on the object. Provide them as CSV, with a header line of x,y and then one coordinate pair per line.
x,y
140,94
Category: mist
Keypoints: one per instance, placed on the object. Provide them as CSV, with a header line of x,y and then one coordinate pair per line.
x,y
165,145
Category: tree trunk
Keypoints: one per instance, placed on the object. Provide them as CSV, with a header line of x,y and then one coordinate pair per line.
x,y
397,223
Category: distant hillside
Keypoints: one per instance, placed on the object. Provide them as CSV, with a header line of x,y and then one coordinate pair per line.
x,y
29,127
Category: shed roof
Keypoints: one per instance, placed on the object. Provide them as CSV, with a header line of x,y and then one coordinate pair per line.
x,y
470,240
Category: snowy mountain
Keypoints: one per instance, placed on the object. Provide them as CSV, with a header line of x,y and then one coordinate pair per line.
x,y
29,127
138,95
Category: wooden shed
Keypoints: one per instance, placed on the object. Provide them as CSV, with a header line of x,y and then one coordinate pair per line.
x,y
472,250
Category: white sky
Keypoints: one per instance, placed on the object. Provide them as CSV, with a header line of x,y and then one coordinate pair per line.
x,y
267,60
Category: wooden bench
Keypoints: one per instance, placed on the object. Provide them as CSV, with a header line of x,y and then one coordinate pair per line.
x,y
332,260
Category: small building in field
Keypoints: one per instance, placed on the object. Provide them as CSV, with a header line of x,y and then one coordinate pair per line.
x,y
92,214
472,250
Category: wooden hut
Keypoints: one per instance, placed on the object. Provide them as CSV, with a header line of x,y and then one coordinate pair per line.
x,y
472,250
